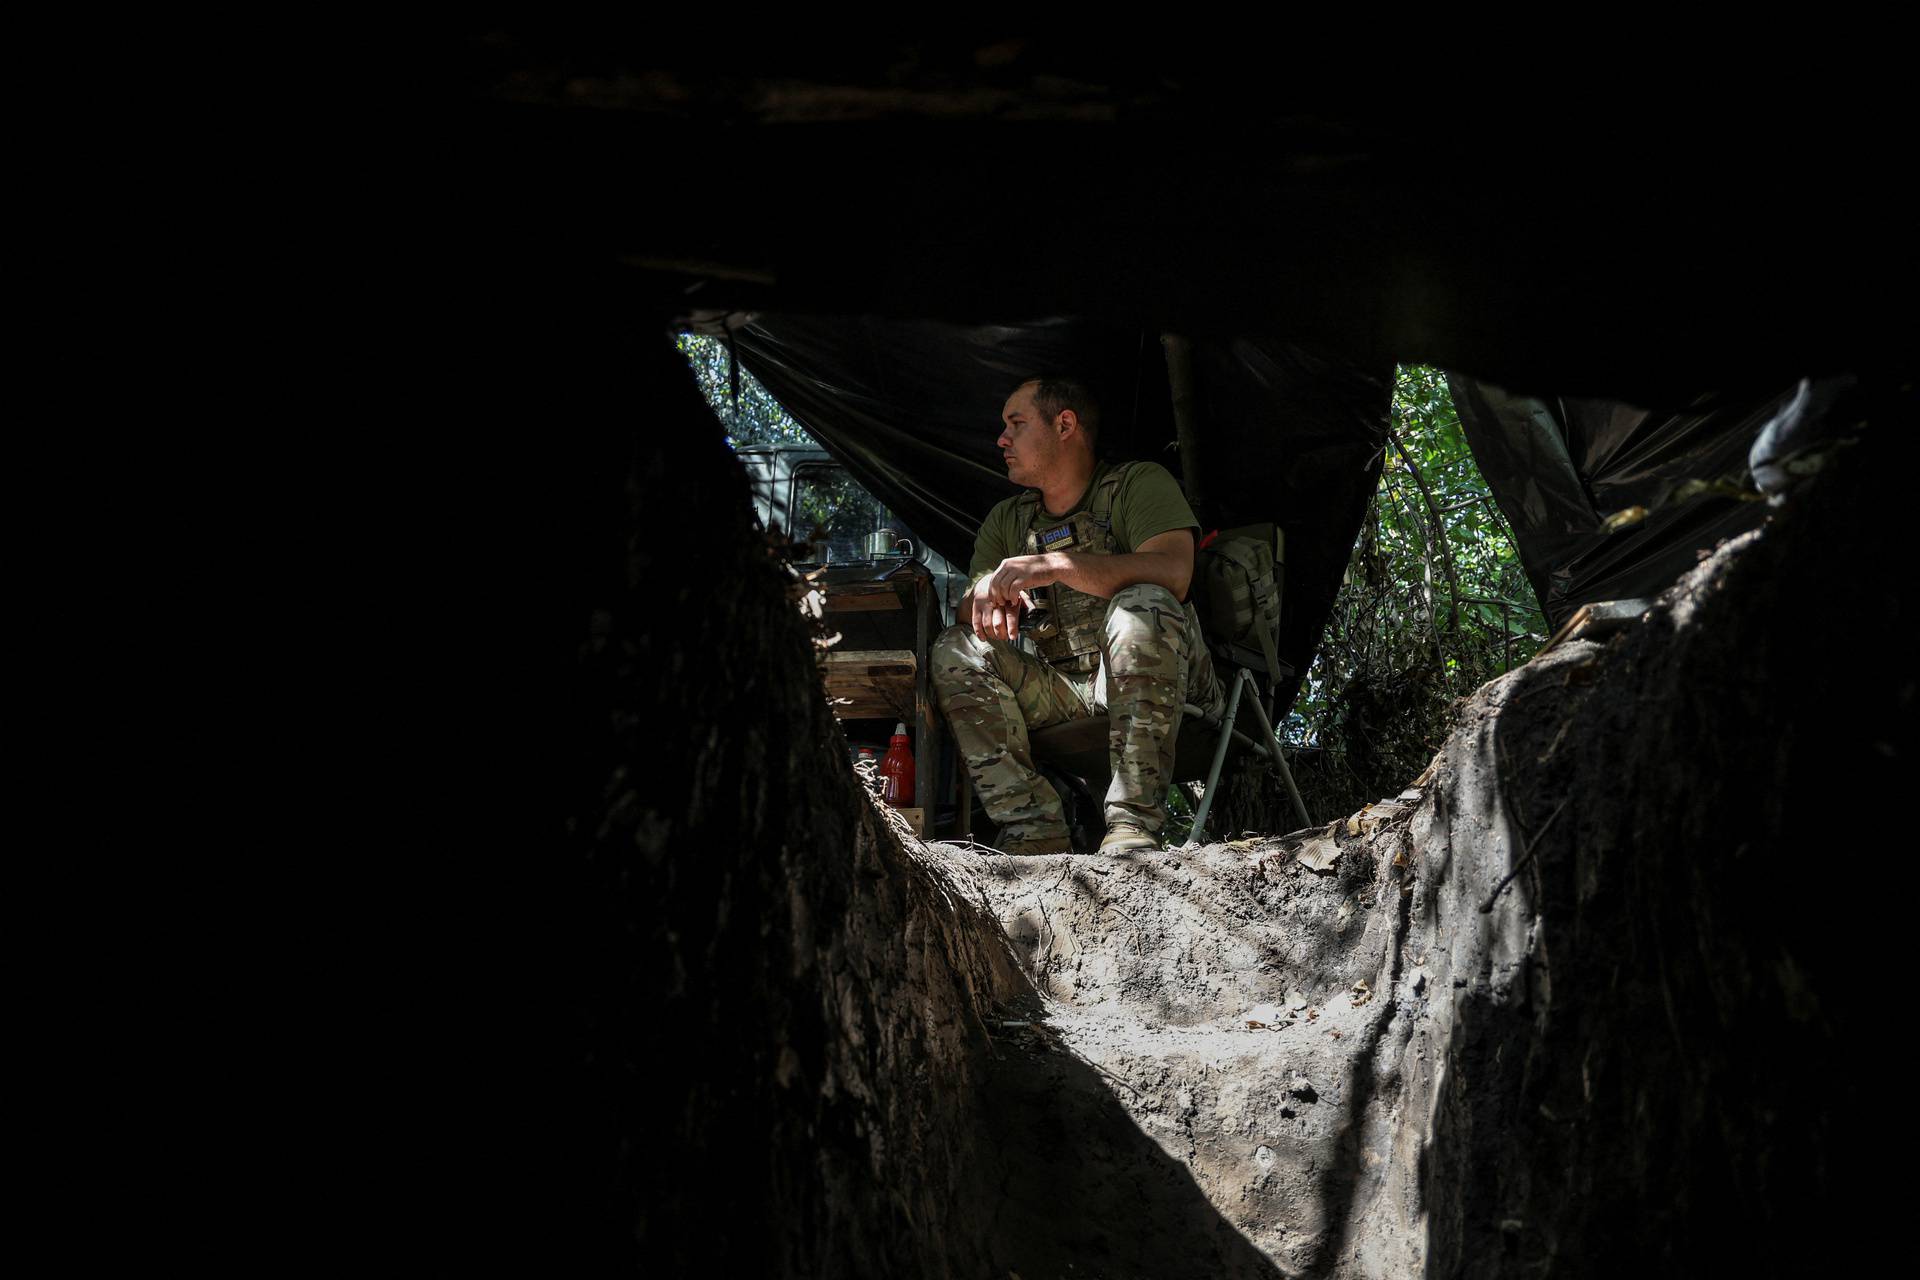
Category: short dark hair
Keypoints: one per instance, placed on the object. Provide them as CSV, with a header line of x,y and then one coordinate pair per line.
x,y
1053,395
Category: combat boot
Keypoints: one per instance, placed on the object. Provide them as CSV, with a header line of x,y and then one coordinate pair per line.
x,y
1124,837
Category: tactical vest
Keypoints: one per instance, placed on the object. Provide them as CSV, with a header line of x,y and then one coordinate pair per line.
x,y
1073,647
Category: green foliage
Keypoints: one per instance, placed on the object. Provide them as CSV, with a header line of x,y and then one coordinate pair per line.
x,y
756,417
1434,604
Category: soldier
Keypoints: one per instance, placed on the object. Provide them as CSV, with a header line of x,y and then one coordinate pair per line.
x,y
1107,550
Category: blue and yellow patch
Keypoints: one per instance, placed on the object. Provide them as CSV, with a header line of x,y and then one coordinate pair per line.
x,y
1051,538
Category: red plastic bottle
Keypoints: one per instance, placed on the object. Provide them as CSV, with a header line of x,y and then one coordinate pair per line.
x,y
896,771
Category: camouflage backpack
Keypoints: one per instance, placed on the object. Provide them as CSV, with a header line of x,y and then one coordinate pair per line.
x,y
1237,577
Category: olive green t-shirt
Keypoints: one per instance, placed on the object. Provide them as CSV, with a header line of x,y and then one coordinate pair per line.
x,y
1147,503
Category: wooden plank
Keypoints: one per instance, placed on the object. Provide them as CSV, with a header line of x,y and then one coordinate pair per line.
x,y
883,703
845,662
867,684
916,818
862,597
864,603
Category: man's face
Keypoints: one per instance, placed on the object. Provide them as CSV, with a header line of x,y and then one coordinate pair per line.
x,y
1028,442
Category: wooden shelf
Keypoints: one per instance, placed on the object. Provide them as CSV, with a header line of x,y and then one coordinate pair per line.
x,y
877,683
862,597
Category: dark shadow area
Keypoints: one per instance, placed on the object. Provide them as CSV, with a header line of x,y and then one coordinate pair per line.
x,y
1531,247
1078,1189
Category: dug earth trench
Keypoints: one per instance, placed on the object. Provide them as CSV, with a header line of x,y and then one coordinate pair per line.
x,y
1444,1035
1552,1009
1275,1015
1610,988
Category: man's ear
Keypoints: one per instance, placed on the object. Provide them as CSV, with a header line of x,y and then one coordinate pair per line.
x,y
1068,419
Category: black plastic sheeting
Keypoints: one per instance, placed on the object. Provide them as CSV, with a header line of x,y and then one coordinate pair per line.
x,y
1560,466
912,408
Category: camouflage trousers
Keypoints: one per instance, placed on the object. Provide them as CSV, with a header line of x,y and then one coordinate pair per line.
x,y
1152,662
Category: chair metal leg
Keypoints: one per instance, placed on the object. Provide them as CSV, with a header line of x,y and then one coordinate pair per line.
x,y
1279,758
1240,680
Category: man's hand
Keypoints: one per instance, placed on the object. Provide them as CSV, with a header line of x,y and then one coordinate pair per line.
x,y
993,616
1166,560
1000,596
1019,574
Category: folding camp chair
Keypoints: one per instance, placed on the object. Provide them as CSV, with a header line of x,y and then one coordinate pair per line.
x,y
1254,671
1079,748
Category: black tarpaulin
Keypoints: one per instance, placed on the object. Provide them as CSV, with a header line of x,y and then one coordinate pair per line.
x,y
1561,466
1287,433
